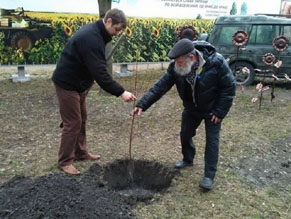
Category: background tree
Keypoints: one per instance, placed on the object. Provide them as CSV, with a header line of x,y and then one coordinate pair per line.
x,y
199,16
233,10
243,9
105,5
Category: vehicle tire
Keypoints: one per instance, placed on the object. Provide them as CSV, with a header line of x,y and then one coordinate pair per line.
x,y
241,77
21,40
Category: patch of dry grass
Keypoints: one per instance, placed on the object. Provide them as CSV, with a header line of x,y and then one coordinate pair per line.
x,y
30,137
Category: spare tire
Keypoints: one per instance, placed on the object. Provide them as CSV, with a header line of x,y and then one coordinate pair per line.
x,y
21,40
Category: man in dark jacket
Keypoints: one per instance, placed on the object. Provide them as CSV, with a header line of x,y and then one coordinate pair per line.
x,y
206,86
81,63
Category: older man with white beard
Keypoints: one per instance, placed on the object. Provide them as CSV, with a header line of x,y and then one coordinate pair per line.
x,y
206,86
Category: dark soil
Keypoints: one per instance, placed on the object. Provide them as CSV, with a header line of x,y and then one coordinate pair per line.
x,y
108,192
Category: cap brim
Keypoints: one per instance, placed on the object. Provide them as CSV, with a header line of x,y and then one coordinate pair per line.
x,y
182,47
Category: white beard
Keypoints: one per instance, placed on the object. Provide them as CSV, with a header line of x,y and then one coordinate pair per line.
x,y
184,70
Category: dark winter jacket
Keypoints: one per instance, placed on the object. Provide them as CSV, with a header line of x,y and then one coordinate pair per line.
x,y
214,89
83,61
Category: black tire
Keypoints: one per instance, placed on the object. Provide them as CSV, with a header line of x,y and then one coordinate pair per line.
x,y
243,78
21,40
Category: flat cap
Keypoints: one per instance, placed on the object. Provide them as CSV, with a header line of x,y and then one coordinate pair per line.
x,y
182,47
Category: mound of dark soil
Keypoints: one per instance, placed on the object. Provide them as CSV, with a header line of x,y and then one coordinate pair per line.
x,y
108,192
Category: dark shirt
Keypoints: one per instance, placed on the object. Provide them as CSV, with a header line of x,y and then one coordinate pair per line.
x,y
83,61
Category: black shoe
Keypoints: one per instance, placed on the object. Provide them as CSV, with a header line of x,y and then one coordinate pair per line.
x,y
182,164
206,183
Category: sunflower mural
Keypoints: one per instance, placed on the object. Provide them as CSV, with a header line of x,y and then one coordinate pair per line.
x,y
68,31
152,38
156,32
128,32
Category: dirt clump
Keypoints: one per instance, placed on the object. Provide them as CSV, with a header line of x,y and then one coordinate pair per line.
x,y
108,192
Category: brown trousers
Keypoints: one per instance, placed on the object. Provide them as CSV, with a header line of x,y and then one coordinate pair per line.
x,y
73,113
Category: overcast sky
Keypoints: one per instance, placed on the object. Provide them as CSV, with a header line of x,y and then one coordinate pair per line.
x,y
142,8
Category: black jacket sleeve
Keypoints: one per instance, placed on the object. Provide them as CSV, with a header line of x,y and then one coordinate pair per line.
x,y
94,59
227,87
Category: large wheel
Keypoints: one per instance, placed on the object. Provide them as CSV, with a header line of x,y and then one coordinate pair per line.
x,y
21,40
242,77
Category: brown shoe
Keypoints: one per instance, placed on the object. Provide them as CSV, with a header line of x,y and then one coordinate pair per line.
x,y
88,156
70,169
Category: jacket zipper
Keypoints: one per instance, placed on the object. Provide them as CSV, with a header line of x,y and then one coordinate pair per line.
x,y
193,89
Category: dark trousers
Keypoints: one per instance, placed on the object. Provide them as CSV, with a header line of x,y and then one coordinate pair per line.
x,y
73,113
190,122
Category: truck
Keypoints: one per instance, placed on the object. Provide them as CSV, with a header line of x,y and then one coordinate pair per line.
x,y
21,31
261,30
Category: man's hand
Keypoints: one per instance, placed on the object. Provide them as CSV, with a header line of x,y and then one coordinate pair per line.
x,y
136,111
215,119
127,96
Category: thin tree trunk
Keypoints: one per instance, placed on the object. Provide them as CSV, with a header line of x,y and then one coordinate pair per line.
x,y
104,6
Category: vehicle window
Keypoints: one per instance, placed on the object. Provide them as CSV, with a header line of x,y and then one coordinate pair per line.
x,y
287,32
263,34
226,32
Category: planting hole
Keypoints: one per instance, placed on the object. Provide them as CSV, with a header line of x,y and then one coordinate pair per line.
x,y
138,179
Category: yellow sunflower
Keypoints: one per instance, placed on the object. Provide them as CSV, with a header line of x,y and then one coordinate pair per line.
x,y
68,31
156,32
128,32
